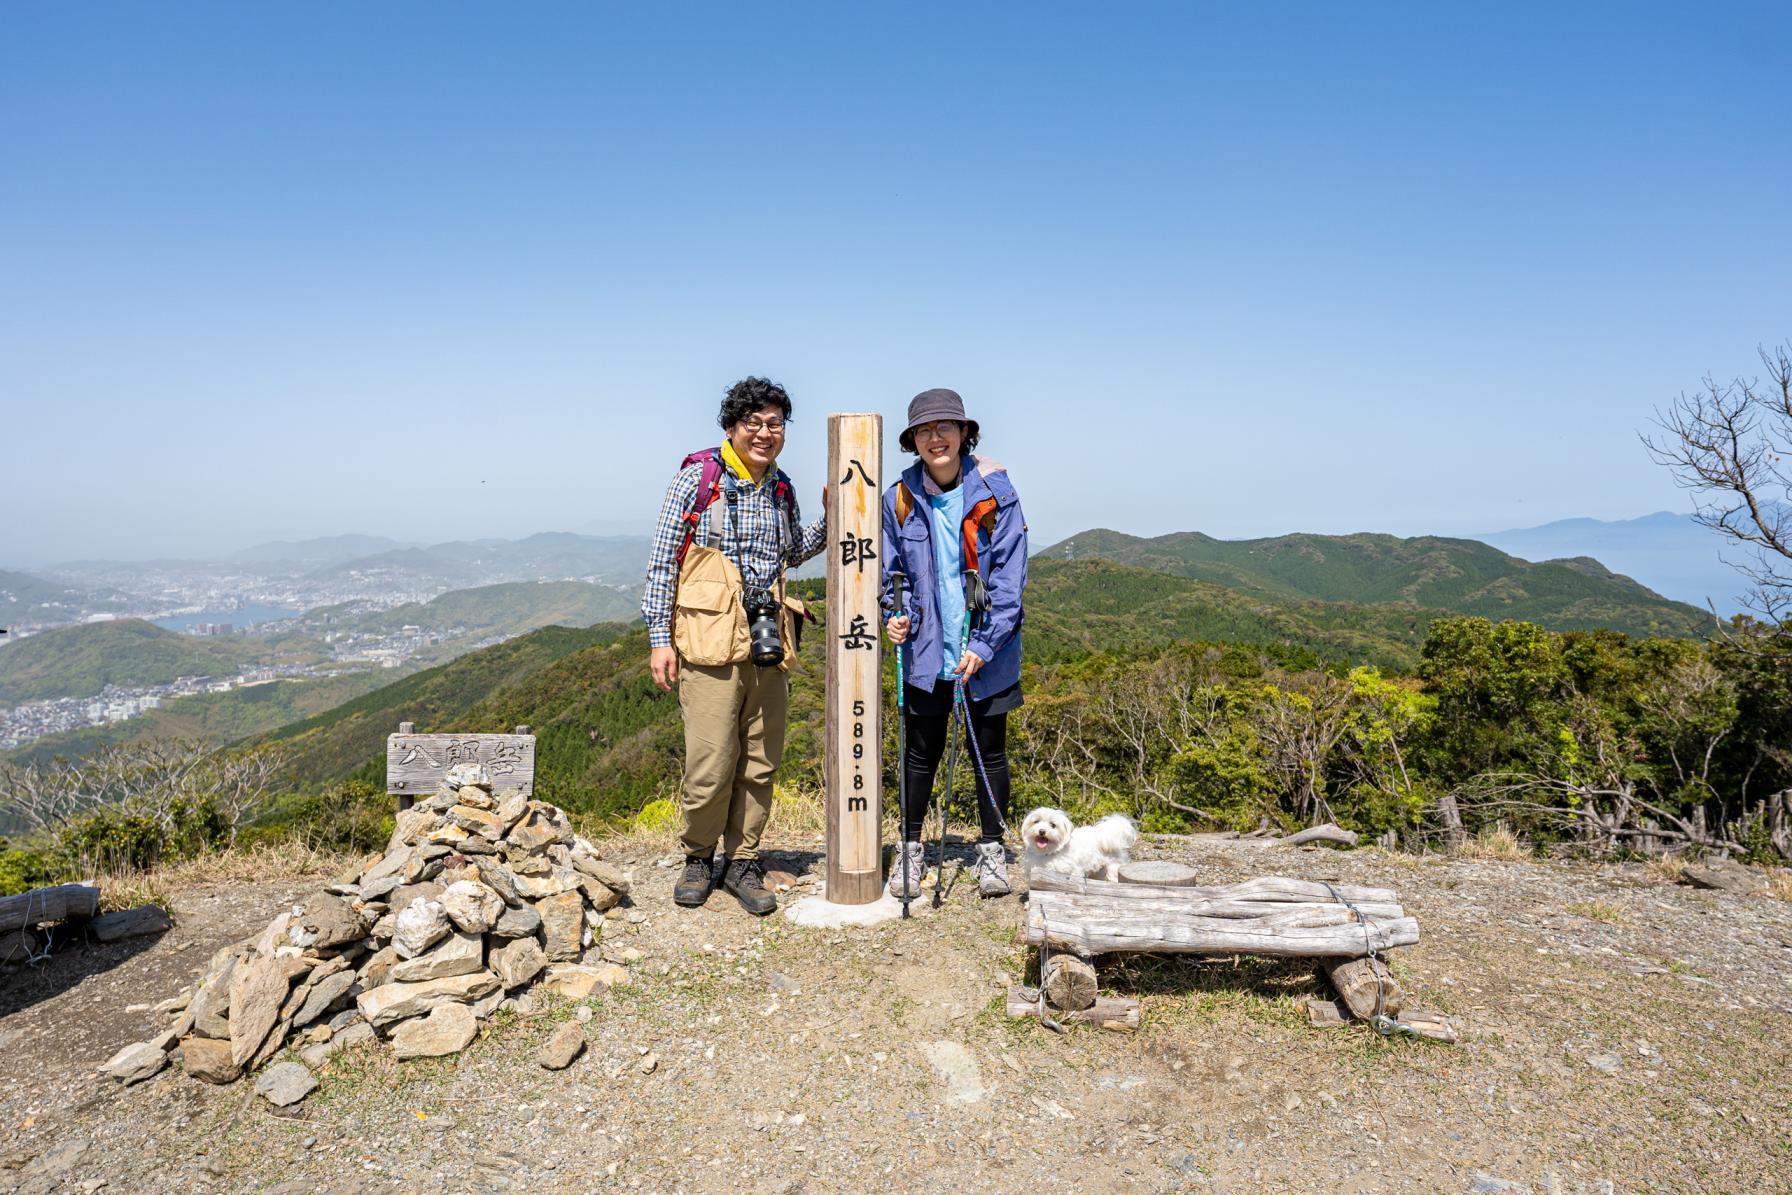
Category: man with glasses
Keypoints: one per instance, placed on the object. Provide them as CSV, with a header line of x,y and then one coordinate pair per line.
x,y
715,588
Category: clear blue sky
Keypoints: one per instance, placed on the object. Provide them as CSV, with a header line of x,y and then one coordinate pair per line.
x,y
444,271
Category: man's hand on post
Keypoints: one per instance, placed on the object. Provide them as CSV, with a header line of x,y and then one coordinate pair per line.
x,y
897,629
663,663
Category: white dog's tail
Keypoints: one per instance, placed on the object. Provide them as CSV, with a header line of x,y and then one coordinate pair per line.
x,y
1115,834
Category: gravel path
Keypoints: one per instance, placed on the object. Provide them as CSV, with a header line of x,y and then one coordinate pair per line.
x,y
1619,1033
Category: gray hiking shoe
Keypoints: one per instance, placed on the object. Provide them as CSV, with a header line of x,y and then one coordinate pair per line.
x,y
992,869
908,856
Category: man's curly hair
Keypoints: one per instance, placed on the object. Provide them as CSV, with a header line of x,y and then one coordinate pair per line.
x,y
749,396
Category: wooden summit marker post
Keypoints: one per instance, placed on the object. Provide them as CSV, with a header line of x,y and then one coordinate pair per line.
x,y
852,772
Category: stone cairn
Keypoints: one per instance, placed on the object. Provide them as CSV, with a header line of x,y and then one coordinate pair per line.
x,y
479,897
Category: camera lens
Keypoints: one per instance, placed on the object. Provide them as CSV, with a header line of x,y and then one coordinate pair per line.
x,y
762,631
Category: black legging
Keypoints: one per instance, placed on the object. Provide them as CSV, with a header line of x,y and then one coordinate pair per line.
x,y
927,744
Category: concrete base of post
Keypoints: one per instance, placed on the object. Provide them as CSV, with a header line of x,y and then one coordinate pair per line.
x,y
821,913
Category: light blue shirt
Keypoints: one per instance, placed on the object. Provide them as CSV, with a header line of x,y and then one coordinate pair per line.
x,y
947,512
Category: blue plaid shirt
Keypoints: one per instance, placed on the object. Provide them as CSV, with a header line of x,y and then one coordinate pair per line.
x,y
750,536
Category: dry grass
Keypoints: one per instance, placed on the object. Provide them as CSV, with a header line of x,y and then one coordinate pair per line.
x,y
1496,842
1597,910
1405,860
1666,868
259,864
798,809
1779,882
798,812
658,827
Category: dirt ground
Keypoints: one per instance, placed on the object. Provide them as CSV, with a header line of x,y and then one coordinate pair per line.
x,y
1619,1033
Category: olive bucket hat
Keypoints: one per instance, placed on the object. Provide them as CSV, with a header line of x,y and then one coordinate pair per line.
x,y
930,406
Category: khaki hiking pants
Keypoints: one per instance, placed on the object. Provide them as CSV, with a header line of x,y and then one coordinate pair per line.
x,y
733,741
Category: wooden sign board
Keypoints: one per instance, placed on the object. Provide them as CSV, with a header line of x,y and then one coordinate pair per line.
x,y
852,771
416,763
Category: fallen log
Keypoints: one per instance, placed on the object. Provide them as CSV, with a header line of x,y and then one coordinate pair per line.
x,y
42,905
1118,1013
1326,833
1053,925
1329,832
1069,982
1359,980
1262,888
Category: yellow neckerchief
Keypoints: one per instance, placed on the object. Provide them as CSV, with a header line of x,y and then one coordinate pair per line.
x,y
732,459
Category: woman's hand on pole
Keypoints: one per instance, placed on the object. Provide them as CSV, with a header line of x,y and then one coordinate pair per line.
x,y
897,629
968,665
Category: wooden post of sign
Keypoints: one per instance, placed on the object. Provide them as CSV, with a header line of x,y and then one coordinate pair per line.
x,y
852,772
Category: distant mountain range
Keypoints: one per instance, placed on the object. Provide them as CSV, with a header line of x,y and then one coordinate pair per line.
x,y
506,609
550,555
1670,553
1425,574
307,554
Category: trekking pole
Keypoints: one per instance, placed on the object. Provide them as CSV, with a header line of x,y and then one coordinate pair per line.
x,y
939,807
897,581
961,703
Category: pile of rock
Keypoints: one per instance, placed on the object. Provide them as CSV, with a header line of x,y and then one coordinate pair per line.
x,y
478,897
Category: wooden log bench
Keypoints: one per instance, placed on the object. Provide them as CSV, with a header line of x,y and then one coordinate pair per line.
x,y
416,763
1073,921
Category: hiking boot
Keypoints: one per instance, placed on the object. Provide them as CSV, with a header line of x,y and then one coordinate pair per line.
x,y
907,858
694,885
746,879
992,869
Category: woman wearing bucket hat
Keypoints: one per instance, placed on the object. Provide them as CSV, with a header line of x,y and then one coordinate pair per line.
x,y
953,529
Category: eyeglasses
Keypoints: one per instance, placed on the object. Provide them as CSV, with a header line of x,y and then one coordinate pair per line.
x,y
773,427
929,431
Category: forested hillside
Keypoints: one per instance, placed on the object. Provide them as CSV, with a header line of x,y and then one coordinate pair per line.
x,y
1457,575
79,661
1184,703
1187,706
214,719
351,738
509,608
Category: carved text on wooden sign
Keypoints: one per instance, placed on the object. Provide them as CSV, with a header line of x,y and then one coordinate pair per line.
x,y
416,763
853,775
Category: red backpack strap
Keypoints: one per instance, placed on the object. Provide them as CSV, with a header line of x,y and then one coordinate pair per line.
x,y
708,486
981,515
787,495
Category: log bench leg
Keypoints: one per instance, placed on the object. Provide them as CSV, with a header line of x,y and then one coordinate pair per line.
x,y
1069,982
1357,981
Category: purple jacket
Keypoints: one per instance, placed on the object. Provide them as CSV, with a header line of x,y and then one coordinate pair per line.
x,y
1001,559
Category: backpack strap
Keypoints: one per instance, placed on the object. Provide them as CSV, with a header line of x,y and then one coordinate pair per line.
x,y
787,496
709,485
976,589
982,515
905,503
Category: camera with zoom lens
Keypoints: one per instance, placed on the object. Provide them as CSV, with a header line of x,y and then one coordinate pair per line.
x,y
762,632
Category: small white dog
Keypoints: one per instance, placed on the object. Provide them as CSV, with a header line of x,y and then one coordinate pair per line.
x,y
1055,844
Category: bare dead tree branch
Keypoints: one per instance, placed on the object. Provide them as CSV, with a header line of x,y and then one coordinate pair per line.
x,y
1730,445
